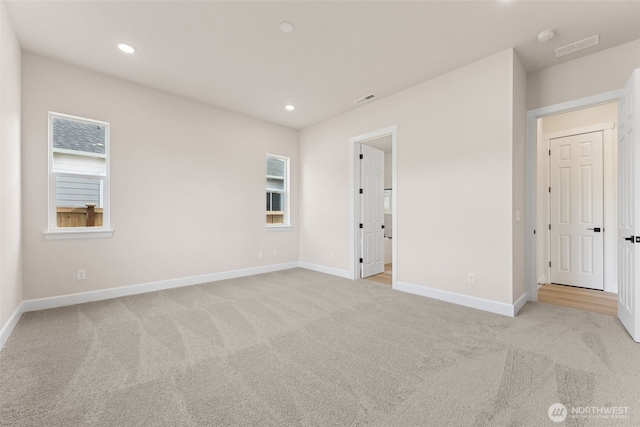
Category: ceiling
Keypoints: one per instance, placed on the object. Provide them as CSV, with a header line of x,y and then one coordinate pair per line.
x,y
233,54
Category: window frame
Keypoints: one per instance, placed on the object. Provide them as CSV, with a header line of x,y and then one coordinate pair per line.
x,y
55,232
286,224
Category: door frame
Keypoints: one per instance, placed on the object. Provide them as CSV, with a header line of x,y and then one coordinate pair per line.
x,y
531,164
354,205
610,207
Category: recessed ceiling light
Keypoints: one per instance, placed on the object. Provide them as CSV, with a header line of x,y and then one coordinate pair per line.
x,y
289,107
287,26
126,48
546,35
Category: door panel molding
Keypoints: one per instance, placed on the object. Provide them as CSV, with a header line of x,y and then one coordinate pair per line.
x,y
576,210
372,210
610,204
629,213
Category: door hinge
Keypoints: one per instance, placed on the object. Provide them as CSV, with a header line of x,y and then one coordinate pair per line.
x,y
361,191
382,225
549,189
549,226
549,152
361,260
361,225
549,263
534,231
361,156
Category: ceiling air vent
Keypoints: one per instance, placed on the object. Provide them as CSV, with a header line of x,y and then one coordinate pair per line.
x,y
574,47
364,99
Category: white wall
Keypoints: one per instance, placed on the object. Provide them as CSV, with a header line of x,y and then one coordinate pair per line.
x,y
565,123
600,72
10,171
581,118
519,120
388,170
455,160
187,185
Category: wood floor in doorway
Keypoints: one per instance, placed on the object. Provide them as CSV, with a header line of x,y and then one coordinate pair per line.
x,y
580,298
383,278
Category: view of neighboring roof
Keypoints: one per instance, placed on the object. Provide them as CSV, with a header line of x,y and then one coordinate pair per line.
x,y
275,167
78,136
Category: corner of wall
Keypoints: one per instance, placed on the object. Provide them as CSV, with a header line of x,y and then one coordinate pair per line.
x,y
10,176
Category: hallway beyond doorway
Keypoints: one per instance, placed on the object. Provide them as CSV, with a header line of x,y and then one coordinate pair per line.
x,y
580,298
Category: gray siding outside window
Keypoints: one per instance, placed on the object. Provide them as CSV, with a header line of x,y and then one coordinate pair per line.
x,y
74,192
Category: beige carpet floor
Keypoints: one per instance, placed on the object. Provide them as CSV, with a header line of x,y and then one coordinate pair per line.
x,y
300,348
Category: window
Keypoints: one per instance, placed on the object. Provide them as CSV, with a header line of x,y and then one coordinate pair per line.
x,y
78,174
277,190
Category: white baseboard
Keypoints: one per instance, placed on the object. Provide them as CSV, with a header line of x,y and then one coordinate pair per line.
x,y
80,298
520,302
104,294
542,280
327,270
11,323
465,300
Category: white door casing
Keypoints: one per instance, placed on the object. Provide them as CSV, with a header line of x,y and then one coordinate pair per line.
x,y
629,207
577,211
372,211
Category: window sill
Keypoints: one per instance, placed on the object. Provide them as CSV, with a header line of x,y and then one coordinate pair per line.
x,y
279,227
77,234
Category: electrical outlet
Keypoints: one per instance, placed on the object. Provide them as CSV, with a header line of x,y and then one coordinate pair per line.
x,y
275,253
260,254
471,278
81,274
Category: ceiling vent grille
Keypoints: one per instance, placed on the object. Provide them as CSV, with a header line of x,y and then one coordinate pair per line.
x,y
574,47
364,99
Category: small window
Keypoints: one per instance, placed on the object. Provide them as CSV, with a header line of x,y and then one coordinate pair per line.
x,y
277,190
78,174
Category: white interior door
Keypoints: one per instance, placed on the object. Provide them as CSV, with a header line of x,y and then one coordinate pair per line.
x,y
372,211
577,211
629,207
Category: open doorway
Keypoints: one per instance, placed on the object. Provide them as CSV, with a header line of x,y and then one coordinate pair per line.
x,y
374,217
628,218
576,217
580,197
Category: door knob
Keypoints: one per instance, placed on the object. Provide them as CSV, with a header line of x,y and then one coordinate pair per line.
x,y
630,239
595,230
